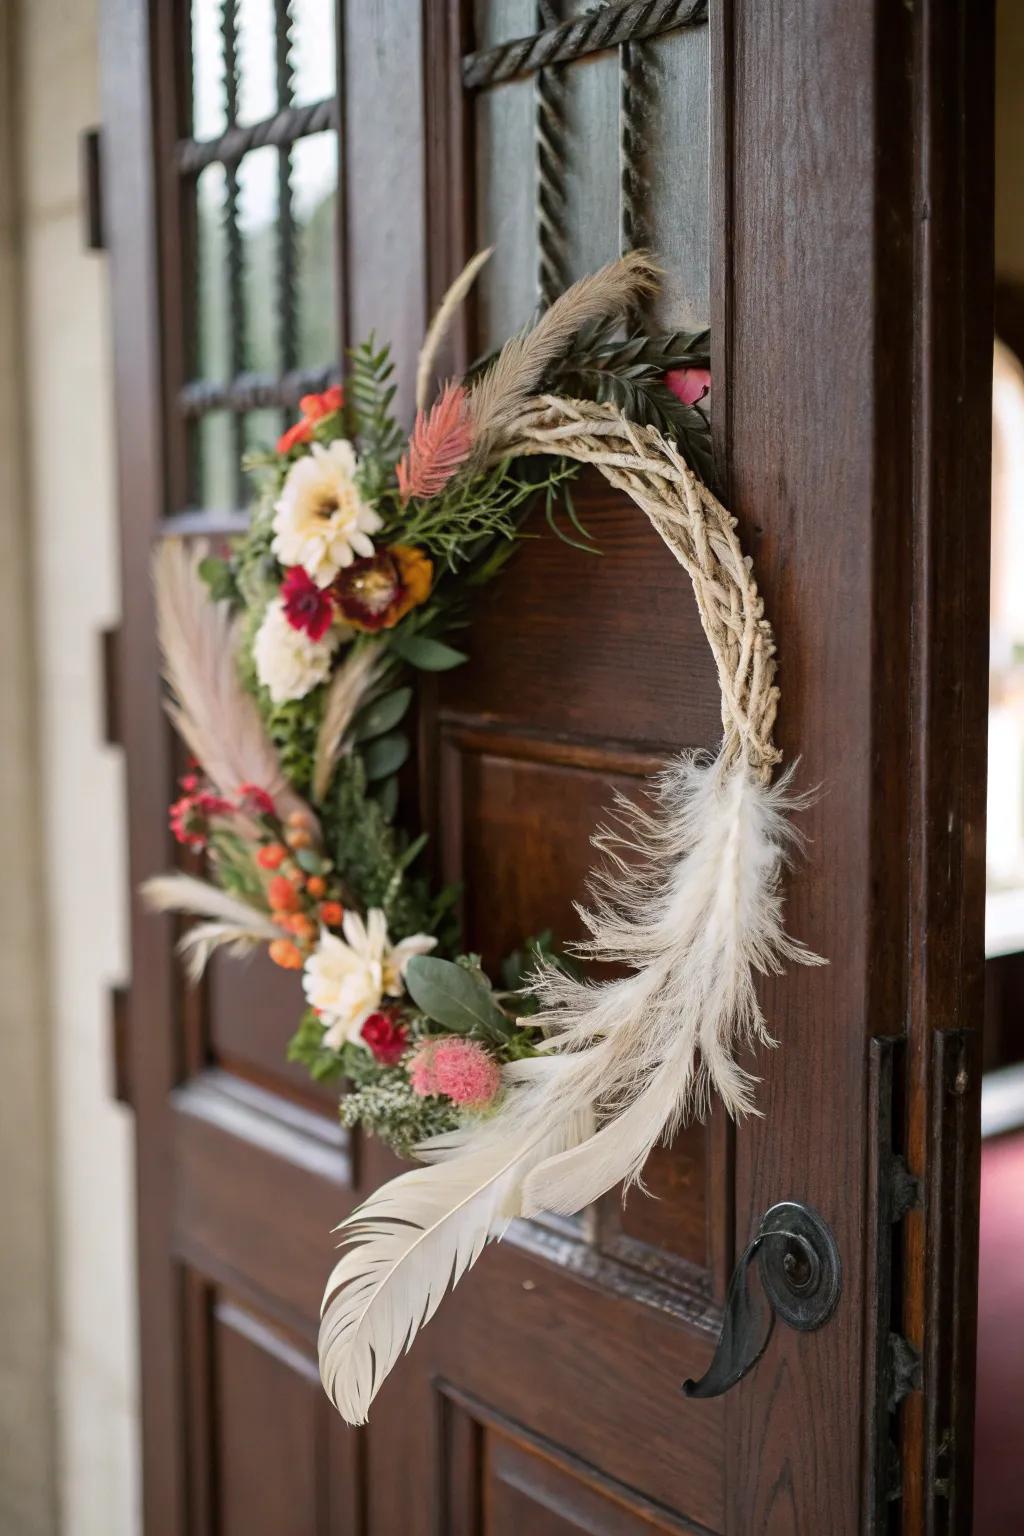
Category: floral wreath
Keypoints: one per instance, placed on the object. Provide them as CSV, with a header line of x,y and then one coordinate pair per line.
x,y
290,660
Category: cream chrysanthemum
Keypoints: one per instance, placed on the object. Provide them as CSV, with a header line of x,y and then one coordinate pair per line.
x,y
322,521
288,662
345,980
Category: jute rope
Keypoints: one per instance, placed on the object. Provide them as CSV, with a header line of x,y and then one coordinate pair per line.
x,y
699,532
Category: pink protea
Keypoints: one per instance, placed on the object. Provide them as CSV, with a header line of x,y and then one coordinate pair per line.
x,y
460,1069
688,384
439,445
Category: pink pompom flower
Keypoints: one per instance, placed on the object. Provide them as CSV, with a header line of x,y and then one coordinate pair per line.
x,y
461,1070
688,384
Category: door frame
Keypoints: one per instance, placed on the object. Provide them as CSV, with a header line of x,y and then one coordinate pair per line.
x,y
881,111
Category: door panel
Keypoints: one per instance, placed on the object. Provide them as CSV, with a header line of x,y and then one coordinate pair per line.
x,y
251,239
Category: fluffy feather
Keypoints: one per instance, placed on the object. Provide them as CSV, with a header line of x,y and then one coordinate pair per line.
x,y
522,362
410,1242
441,324
439,444
211,711
229,919
348,688
690,902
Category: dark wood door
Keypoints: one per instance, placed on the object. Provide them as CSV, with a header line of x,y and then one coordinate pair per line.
x,y
779,159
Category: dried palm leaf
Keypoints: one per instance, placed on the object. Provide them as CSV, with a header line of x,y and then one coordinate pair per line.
x,y
441,324
348,688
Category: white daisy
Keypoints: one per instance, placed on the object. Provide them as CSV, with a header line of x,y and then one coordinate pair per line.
x,y
287,661
346,979
321,521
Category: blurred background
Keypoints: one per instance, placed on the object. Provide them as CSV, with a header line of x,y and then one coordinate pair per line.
x,y
68,1393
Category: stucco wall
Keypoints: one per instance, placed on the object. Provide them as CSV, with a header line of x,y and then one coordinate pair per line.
x,y
60,418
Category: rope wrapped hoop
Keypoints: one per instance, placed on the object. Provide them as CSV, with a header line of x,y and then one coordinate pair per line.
x,y
701,535
688,903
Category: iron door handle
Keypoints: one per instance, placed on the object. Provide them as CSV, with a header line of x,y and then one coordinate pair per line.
x,y
801,1276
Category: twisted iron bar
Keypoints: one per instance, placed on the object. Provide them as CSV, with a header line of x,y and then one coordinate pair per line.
x,y
589,33
235,262
193,155
252,391
552,253
634,104
286,276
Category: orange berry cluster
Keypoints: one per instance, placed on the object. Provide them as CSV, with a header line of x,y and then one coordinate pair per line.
x,y
295,892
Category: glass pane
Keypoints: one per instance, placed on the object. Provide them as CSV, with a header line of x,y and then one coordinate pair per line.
x,y
213,338
209,112
257,60
314,192
260,431
677,119
257,225
214,448
313,55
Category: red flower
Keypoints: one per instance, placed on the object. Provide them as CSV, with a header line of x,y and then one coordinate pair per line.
x,y
314,408
688,384
306,606
376,591
282,895
252,798
386,1038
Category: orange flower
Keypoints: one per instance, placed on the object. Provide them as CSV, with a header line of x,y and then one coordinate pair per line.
x,y
299,837
285,954
302,927
314,408
316,885
375,592
282,895
271,855
331,913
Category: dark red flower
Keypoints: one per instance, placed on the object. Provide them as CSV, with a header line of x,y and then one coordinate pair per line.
x,y
376,591
688,384
386,1038
306,606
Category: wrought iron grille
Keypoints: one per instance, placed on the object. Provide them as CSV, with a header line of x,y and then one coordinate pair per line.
x,y
257,167
576,139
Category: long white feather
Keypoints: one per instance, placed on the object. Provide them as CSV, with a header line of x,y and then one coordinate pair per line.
x,y
690,902
411,1241
229,919
211,711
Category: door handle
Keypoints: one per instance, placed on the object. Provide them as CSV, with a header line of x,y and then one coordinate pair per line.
x,y
801,1276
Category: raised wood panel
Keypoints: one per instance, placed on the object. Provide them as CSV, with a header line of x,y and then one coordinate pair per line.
x,y
606,648
267,1456
253,1009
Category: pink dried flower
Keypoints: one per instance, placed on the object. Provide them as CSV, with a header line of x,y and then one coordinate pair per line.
x,y
688,384
252,798
439,445
461,1070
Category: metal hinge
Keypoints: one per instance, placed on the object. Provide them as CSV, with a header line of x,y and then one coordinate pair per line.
x,y
894,1364
92,189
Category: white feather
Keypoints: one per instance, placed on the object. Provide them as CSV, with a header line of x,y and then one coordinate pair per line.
x,y
411,1241
229,919
441,324
211,711
690,902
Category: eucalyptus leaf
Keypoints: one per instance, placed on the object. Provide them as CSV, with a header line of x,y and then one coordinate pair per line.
x,y
429,655
386,796
453,997
385,756
382,715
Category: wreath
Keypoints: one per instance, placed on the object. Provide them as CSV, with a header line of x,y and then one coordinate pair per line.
x,y
290,661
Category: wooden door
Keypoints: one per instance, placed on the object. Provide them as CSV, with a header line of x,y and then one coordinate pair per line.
x,y
803,169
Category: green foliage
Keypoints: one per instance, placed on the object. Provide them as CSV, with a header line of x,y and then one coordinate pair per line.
x,y
456,997
381,714
369,394
373,859
306,1047
629,372
220,578
472,507
426,654
388,1108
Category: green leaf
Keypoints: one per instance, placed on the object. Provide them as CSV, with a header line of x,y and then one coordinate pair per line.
x,y
385,756
383,714
309,860
218,577
386,796
453,997
429,655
